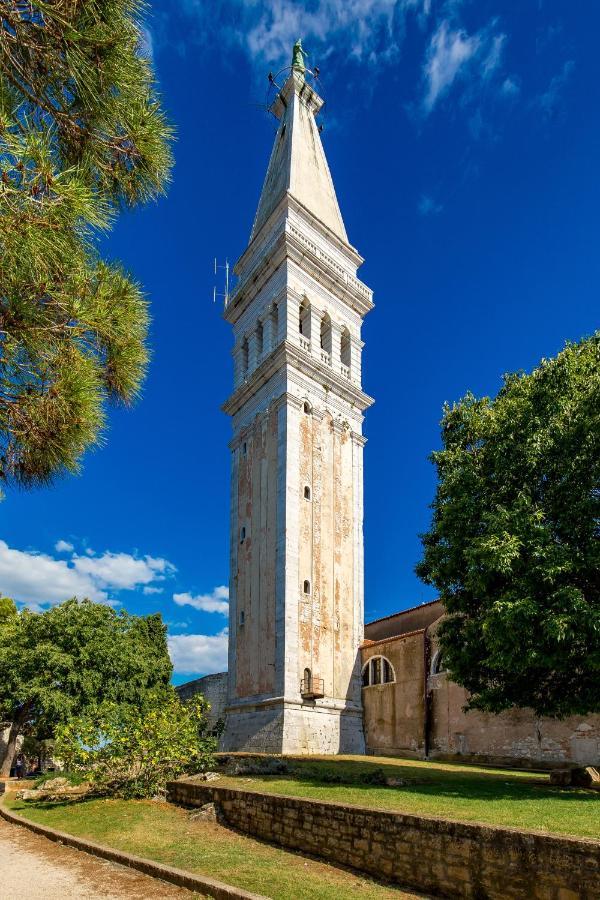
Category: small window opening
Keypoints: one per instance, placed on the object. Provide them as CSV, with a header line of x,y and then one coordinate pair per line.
x,y
259,339
307,493
244,449
307,587
242,534
307,679
307,408
242,618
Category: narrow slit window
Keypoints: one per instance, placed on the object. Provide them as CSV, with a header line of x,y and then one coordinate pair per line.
x,y
242,618
307,408
307,493
242,534
307,587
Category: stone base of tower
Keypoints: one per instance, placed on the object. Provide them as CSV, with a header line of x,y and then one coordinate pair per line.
x,y
294,728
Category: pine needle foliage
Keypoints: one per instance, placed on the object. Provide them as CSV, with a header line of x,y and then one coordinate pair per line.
x,y
82,134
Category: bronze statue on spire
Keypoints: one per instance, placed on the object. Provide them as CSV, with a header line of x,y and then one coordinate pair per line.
x,y
298,56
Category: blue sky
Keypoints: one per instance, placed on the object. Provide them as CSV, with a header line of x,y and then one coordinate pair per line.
x,y
464,141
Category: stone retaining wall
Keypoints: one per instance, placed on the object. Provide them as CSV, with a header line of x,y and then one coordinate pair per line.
x,y
441,858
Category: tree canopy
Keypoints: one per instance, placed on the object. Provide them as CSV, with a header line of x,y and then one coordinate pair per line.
x,y
514,545
59,663
82,133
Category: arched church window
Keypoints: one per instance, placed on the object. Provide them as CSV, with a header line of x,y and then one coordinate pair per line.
x,y
378,670
306,586
304,323
437,663
259,340
345,348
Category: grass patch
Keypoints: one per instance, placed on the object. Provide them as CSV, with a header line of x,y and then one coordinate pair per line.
x,y
166,834
505,797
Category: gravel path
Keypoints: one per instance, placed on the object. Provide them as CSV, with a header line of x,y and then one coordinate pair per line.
x,y
34,868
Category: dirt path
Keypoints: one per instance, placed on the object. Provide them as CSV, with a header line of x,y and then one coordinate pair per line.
x,y
34,868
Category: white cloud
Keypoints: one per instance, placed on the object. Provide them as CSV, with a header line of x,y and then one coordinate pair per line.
x,y
122,571
427,206
510,87
448,52
152,590
63,547
198,654
550,100
365,30
453,54
38,579
217,602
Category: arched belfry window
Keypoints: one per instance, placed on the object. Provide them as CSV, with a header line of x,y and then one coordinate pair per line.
x,y
326,334
378,670
275,326
259,340
345,348
244,357
304,321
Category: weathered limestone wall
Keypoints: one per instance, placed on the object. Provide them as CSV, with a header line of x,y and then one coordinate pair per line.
x,y
256,554
326,555
515,736
394,713
446,859
214,689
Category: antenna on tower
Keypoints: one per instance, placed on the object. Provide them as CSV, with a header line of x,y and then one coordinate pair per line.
x,y
225,293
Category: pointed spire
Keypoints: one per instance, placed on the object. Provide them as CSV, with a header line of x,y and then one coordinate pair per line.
x,y
298,165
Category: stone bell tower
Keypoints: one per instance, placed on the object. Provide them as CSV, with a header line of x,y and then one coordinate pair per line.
x,y
296,582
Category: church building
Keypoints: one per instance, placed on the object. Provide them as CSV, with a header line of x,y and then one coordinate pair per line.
x,y
305,675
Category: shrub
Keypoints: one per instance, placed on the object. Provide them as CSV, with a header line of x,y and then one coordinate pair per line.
x,y
128,752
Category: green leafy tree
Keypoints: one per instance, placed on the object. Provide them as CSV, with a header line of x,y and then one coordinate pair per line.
x,y
129,752
514,546
56,664
81,134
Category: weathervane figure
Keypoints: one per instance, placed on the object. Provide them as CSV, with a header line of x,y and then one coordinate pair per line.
x,y
298,56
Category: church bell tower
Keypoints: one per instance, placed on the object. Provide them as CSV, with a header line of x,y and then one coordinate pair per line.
x,y
296,580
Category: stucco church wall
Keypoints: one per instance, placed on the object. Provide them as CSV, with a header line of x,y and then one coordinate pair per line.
x,y
514,736
394,713
405,621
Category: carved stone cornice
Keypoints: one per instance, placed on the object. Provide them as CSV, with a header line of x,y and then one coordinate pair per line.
x,y
288,354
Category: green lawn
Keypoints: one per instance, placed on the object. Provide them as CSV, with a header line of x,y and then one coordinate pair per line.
x,y
513,798
167,834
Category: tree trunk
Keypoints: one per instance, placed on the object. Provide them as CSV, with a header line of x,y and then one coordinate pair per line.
x,y
11,748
